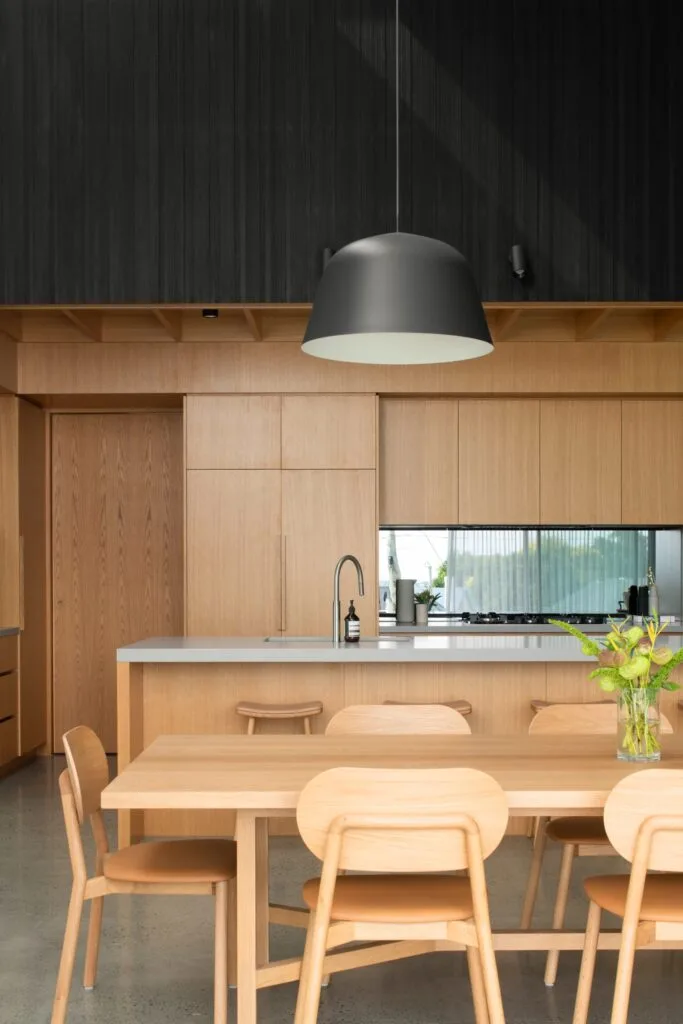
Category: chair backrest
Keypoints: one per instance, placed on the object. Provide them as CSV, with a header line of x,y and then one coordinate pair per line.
x,y
581,719
402,819
648,800
397,719
88,769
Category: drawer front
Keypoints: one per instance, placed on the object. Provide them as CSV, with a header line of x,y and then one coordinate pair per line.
x,y
9,653
9,740
9,695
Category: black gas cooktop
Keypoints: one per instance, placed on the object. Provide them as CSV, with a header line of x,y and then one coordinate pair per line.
x,y
532,618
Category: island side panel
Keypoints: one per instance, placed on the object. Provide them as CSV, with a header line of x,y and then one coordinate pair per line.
x,y
130,743
201,698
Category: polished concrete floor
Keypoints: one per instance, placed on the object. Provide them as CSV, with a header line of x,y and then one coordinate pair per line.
x,y
156,957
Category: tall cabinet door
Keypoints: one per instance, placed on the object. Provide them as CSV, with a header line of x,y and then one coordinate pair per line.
x,y
117,553
233,544
33,523
326,514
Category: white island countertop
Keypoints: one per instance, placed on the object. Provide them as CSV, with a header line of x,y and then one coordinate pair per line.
x,y
500,648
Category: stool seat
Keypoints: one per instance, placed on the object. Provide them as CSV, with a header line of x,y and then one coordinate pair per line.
x,y
463,706
303,710
538,705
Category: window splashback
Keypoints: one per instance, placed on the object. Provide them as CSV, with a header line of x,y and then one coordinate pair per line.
x,y
564,570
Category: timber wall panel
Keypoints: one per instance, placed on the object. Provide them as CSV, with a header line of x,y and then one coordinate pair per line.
x,y
519,367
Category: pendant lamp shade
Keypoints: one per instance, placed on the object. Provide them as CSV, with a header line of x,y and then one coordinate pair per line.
x,y
397,299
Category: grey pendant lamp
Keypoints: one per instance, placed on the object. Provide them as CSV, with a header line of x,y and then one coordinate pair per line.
x,y
397,298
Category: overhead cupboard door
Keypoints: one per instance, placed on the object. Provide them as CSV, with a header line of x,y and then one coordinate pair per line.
x,y
329,431
499,461
581,462
418,461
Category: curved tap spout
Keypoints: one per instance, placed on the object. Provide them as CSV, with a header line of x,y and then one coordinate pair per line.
x,y
336,605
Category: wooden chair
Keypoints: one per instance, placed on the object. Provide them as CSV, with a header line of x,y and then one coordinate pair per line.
x,y
579,836
397,719
403,824
188,866
643,826
463,706
302,712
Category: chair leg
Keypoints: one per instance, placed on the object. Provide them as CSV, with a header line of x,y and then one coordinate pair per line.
x,y
66,963
92,949
220,968
590,949
540,840
565,878
487,957
622,987
312,971
481,1013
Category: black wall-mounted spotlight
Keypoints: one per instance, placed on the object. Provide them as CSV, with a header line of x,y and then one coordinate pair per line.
x,y
518,262
210,314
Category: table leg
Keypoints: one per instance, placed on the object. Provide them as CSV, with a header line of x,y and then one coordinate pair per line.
x,y
251,834
262,894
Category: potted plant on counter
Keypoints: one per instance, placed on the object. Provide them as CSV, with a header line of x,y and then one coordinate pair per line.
x,y
424,602
632,664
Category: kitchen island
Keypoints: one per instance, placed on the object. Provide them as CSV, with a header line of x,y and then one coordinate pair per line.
x,y
176,685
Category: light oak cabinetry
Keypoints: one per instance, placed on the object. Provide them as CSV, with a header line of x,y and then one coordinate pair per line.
x,y
9,699
233,540
23,587
325,514
418,460
232,431
329,431
262,543
652,452
580,469
10,599
33,552
499,462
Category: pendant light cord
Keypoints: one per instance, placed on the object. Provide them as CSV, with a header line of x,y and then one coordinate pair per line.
x,y
398,129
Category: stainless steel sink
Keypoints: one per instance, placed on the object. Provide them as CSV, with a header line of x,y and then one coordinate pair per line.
x,y
328,640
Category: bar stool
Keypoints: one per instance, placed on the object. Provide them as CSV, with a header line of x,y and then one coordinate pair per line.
x,y
462,706
303,712
538,705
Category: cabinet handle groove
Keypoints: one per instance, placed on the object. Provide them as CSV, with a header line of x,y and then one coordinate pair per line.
x,y
283,586
21,583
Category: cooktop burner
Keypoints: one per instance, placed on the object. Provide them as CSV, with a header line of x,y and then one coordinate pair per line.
x,y
532,618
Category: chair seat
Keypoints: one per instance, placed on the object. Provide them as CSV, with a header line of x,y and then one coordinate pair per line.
x,y
182,860
303,710
395,899
577,830
462,706
662,897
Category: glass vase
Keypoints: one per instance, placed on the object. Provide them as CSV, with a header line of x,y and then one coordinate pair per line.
x,y
638,723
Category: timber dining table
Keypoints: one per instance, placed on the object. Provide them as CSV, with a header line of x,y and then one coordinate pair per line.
x,y
261,777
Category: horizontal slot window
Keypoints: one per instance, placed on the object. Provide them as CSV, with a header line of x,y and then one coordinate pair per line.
x,y
562,570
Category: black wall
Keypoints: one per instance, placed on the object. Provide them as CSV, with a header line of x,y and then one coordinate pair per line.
x,y
208,150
